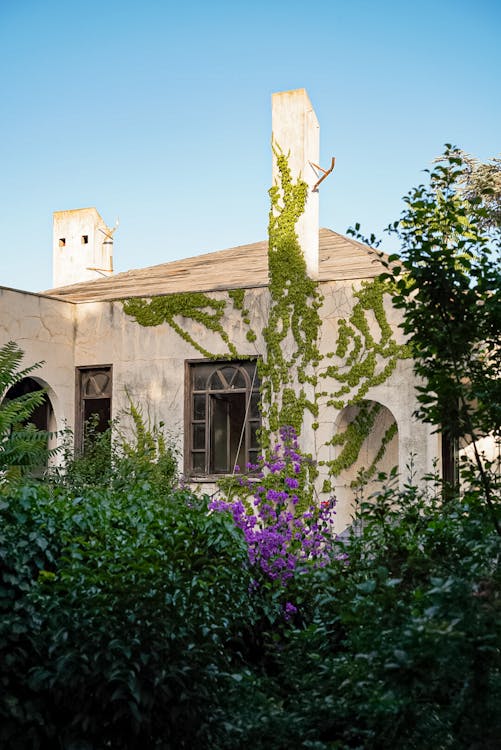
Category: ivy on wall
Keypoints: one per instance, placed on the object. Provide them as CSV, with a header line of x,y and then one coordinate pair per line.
x,y
361,360
351,441
291,366
237,296
195,306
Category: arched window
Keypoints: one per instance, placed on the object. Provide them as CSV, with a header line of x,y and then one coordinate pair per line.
x,y
41,416
223,408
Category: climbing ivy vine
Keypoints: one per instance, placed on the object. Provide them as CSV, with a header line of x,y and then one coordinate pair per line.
x,y
288,368
365,356
296,379
195,306
362,361
237,296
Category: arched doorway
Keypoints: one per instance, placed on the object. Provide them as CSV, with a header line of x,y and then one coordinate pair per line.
x,y
365,443
42,416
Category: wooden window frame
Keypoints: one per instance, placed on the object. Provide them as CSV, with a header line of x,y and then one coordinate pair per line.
x,y
80,400
250,449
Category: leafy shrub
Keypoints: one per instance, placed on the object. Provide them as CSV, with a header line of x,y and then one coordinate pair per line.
x,y
123,619
113,456
93,467
400,645
148,453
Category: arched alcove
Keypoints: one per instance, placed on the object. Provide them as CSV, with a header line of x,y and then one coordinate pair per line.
x,y
43,416
365,443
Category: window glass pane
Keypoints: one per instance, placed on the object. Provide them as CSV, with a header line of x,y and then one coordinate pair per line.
x,y
228,374
219,435
237,429
199,436
238,379
254,406
216,383
251,369
96,384
200,375
253,454
222,378
228,432
254,427
198,462
199,406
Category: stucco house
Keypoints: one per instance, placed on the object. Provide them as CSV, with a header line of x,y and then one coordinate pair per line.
x,y
184,338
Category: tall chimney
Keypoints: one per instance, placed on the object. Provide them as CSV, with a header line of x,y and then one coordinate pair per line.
x,y
295,131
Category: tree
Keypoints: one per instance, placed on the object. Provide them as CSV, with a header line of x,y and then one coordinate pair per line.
x,y
448,285
483,180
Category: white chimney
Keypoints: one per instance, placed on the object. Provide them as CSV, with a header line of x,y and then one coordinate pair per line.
x,y
82,247
295,131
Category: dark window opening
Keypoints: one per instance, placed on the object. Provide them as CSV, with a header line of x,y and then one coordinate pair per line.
x,y
223,417
93,403
62,242
40,417
450,460
85,239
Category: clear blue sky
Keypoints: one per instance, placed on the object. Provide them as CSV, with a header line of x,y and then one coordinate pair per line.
x,y
159,112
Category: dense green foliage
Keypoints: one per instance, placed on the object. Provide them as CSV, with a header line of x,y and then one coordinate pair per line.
x,y
449,288
135,619
128,450
123,618
450,293
400,646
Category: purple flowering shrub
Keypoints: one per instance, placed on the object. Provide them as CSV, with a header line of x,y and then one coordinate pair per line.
x,y
282,538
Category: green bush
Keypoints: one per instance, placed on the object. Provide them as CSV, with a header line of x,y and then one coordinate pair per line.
x,y
399,645
117,457
125,619
132,619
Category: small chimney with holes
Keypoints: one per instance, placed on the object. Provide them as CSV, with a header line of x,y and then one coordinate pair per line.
x,y
82,247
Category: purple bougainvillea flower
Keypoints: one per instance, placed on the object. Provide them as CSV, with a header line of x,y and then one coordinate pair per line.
x,y
289,610
281,541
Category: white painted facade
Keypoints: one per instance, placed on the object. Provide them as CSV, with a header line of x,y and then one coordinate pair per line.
x,y
150,363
